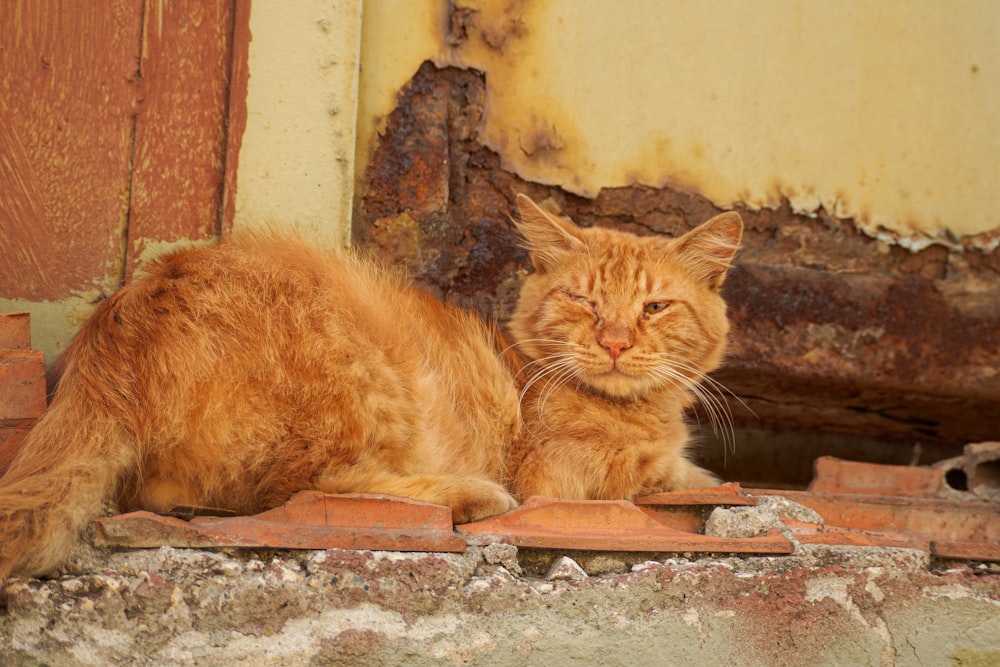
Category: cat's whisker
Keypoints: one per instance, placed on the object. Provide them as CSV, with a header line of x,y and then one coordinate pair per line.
x,y
550,341
555,375
567,370
548,365
717,386
708,394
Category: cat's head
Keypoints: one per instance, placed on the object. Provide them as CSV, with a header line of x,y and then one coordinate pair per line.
x,y
620,314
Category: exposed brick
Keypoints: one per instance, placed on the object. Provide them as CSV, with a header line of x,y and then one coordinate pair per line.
x,y
22,384
15,331
12,434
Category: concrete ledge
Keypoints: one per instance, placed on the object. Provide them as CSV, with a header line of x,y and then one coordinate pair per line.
x,y
496,606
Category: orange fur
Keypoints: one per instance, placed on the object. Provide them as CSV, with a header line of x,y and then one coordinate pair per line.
x,y
618,332
235,376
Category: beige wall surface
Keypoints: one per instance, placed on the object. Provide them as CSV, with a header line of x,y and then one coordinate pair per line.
x,y
296,164
887,113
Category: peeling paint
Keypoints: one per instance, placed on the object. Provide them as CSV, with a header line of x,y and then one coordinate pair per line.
x,y
881,114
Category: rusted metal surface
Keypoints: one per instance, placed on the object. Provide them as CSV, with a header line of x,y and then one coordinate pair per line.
x,y
236,110
309,520
833,331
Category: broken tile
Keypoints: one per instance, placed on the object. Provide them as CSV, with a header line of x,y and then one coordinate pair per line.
x,y
812,533
604,525
955,529
688,510
726,494
834,475
309,520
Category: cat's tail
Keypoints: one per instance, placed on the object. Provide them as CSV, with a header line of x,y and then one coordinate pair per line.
x,y
67,467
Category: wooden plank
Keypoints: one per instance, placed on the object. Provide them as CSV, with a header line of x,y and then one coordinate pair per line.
x,y
180,140
239,75
67,102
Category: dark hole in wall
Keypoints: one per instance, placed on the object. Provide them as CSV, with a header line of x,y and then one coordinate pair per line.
x,y
956,479
840,346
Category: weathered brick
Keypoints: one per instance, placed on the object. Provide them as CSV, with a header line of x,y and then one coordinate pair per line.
x,y
12,434
22,384
15,331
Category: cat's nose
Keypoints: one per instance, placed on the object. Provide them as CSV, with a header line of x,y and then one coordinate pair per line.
x,y
614,347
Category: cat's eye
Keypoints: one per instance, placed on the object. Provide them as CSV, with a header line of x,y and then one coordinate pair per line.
x,y
583,301
655,307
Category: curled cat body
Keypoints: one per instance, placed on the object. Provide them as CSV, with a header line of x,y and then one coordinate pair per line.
x,y
235,376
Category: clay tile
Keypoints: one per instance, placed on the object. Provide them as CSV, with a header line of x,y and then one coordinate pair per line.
x,y
310,520
837,476
605,525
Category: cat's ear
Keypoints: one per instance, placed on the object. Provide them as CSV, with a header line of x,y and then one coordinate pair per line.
x,y
547,237
710,247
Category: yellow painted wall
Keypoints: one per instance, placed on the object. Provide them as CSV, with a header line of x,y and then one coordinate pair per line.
x,y
296,164
886,112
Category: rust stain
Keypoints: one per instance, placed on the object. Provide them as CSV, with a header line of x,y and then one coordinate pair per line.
x,y
832,330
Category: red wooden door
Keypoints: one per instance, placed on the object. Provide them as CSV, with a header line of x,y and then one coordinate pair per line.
x,y
119,122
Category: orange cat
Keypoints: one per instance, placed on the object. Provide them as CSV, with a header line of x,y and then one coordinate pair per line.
x,y
618,332
234,376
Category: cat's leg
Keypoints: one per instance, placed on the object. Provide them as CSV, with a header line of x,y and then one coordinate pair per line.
x,y
593,471
682,476
558,470
470,498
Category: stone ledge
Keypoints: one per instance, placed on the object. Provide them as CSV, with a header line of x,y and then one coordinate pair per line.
x,y
825,605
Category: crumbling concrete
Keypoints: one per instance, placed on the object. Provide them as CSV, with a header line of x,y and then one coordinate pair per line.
x,y
822,606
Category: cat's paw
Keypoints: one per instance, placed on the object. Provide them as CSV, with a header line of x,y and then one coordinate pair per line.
x,y
696,478
685,478
480,501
